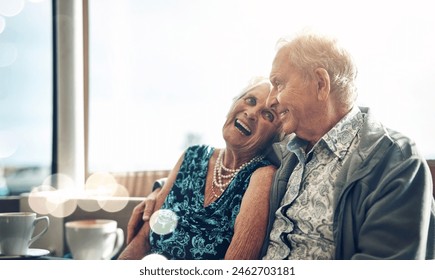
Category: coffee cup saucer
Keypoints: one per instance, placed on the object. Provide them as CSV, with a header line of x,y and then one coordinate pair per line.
x,y
31,253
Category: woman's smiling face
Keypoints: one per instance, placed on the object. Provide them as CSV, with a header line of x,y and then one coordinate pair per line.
x,y
251,125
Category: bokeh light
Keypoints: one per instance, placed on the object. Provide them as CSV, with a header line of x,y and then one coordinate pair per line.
x,y
11,8
116,201
154,257
102,191
45,199
56,196
163,221
100,184
60,196
38,199
88,205
98,188
61,202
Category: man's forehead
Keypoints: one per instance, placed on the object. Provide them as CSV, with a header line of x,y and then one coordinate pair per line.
x,y
281,58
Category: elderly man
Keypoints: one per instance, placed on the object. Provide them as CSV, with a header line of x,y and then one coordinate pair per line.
x,y
347,187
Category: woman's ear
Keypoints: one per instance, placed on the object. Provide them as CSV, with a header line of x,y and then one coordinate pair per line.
x,y
323,83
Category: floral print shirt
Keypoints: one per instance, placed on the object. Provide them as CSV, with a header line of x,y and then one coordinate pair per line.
x,y
303,224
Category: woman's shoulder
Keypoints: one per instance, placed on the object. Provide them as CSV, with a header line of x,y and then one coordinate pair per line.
x,y
199,152
265,170
201,148
260,184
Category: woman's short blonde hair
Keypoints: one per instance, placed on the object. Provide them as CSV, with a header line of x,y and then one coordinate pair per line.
x,y
252,84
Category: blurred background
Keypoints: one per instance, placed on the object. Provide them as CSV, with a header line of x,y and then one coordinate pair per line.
x,y
153,77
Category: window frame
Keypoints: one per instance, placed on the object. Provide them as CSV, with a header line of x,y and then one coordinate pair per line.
x,y
70,89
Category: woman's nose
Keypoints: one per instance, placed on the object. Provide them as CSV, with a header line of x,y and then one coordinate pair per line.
x,y
251,113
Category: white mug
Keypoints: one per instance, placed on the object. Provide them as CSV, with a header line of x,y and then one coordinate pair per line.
x,y
16,230
95,239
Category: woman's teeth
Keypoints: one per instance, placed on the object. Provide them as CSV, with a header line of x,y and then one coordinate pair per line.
x,y
243,128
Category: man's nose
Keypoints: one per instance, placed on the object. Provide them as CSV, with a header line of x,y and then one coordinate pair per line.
x,y
272,100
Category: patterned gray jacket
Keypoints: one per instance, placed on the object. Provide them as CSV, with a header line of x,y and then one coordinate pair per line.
x,y
384,207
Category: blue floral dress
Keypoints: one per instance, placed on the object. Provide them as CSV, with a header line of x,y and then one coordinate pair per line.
x,y
202,232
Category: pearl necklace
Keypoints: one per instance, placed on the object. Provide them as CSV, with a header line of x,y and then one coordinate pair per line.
x,y
218,177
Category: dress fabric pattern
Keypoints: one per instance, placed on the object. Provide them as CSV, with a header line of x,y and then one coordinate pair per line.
x,y
202,233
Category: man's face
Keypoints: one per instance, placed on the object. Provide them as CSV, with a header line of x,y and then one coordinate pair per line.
x,y
291,95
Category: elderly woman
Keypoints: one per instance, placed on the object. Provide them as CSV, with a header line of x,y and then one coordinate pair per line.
x,y
220,196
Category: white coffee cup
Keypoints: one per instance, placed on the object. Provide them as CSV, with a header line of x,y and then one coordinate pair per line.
x,y
95,239
16,231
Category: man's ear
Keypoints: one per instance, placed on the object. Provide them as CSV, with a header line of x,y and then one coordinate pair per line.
x,y
323,83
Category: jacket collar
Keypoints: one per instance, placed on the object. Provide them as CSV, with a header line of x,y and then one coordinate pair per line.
x,y
375,139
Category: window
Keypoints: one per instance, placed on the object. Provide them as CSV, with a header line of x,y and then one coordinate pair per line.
x,y
162,73
25,94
